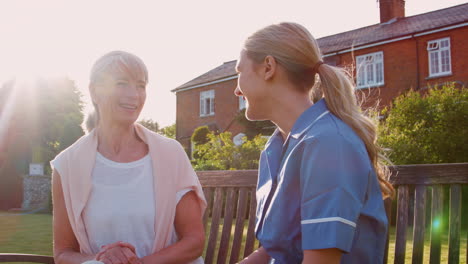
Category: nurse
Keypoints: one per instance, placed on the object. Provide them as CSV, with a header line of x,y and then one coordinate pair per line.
x,y
321,181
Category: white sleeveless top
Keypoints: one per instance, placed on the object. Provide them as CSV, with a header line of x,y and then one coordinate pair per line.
x,y
121,205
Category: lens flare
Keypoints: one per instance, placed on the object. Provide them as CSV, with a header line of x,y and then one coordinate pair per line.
x,y
21,94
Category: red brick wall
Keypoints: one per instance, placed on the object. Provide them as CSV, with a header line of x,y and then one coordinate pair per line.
x,y
11,188
399,71
188,110
390,9
402,62
458,53
404,59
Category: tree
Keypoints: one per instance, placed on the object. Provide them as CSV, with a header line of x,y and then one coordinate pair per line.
x,y
150,124
169,131
44,122
254,128
220,153
427,128
200,135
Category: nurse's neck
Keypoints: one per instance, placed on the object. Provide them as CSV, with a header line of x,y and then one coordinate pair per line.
x,y
287,110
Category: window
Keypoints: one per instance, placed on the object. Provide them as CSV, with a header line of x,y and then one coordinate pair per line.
x,y
370,70
207,106
241,102
439,57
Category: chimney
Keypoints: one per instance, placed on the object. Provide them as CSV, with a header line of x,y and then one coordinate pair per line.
x,y
390,9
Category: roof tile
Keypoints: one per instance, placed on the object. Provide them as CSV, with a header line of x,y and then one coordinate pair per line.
x,y
358,37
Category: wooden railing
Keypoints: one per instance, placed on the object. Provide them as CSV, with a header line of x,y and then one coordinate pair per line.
x,y
229,219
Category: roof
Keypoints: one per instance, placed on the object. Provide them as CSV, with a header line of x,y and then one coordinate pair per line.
x,y
395,28
227,69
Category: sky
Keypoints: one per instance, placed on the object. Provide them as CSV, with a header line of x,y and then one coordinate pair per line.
x,y
177,40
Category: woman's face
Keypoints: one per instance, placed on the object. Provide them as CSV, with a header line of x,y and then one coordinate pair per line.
x,y
120,97
251,85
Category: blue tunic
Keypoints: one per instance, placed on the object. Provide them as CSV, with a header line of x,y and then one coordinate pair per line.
x,y
318,190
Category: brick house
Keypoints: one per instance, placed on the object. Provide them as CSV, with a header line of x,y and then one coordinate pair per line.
x,y
388,58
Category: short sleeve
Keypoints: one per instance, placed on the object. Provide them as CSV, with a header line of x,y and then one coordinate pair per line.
x,y
58,163
334,177
187,178
181,194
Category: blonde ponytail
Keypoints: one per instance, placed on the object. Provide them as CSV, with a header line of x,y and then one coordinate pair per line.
x,y
338,90
297,51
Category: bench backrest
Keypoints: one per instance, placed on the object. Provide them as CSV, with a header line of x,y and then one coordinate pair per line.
x,y
13,257
231,211
230,216
420,197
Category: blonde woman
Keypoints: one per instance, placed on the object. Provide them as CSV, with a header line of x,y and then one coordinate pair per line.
x,y
123,194
321,182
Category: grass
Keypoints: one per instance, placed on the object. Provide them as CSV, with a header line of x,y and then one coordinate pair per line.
x,y
32,233
427,243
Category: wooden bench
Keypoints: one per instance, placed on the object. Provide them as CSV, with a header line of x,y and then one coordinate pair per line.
x,y
231,208
14,257
427,182
231,200
230,216
230,194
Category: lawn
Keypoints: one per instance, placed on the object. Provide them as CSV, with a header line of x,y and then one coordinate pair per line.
x,y
409,247
32,233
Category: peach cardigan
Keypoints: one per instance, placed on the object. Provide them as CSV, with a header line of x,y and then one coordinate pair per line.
x,y
172,172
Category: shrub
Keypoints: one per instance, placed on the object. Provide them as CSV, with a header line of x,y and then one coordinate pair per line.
x,y
220,153
200,135
427,128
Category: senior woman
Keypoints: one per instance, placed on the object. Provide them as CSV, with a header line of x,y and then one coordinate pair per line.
x,y
124,194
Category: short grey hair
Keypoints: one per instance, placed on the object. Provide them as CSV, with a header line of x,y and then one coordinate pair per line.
x,y
112,63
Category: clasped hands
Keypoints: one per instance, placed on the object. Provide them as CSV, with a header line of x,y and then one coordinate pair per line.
x,y
118,253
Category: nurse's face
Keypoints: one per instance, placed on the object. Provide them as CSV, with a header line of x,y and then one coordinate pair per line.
x,y
120,97
252,87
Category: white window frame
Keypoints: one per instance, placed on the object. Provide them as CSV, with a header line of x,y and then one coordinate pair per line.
x,y
435,51
370,70
242,103
207,97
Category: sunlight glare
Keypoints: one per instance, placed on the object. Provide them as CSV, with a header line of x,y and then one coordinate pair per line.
x,y
22,95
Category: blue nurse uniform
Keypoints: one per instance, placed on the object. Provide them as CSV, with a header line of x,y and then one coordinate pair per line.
x,y
317,189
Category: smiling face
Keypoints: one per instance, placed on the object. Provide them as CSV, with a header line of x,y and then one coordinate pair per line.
x,y
252,87
120,96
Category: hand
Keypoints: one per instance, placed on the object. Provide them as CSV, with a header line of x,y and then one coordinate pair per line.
x,y
118,253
